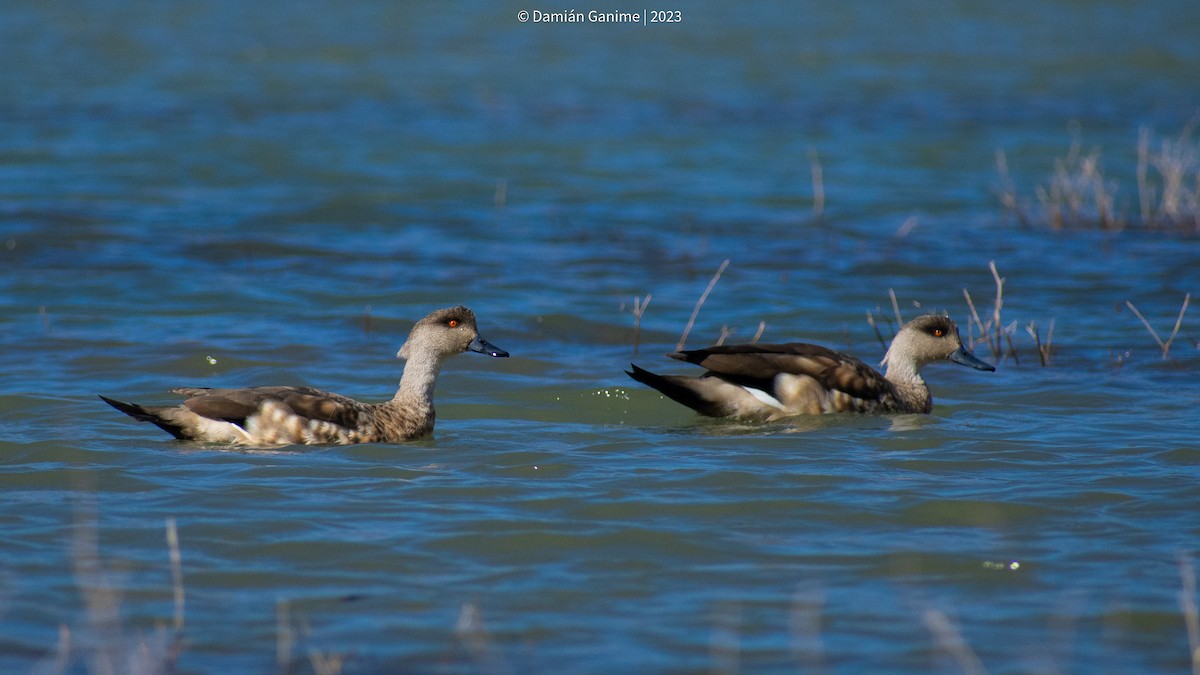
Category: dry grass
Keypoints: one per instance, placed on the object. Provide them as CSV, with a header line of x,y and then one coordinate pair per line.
x,y
727,331
1078,194
992,332
1173,201
103,644
104,647
988,329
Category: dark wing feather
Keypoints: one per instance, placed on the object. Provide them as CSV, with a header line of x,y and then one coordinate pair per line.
x,y
235,405
681,390
757,365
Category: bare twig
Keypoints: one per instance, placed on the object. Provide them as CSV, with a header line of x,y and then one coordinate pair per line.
x,y
699,303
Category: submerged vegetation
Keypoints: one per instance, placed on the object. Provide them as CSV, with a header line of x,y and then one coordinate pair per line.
x,y
1078,194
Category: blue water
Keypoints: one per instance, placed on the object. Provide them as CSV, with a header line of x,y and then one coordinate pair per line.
x,y
228,194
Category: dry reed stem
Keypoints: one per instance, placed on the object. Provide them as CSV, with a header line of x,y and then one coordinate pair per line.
x,y
1008,191
998,304
805,625
906,227
639,308
725,639
500,196
895,308
176,574
1176,159
1043,349
762,326
285,637
62,652
1077,194
1145,192
101,598
818,183
285,643
1012,350
471,632
176,644
325,664
726,331
875,327
974,317
1164,345
1187,605
700,303
948,639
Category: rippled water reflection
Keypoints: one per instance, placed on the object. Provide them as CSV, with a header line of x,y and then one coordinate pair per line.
x,y
223,194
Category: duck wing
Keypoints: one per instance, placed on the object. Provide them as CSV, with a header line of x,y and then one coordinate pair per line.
x,y
235,405
758,365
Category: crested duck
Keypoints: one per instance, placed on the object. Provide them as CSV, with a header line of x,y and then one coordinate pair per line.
x,y
266,416
765,382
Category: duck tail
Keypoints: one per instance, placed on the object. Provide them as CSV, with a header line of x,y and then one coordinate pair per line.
x,y
151,414
683,390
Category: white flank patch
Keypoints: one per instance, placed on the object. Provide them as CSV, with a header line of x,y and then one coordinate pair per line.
x,y
764,397
220,431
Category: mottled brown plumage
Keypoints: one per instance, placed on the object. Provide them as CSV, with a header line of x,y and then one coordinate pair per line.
x,y
772,381
265,416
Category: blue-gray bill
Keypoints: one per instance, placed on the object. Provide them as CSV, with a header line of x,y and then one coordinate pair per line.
x,y
484,347
966,358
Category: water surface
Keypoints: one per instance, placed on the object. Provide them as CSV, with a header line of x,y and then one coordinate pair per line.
x,y
221,194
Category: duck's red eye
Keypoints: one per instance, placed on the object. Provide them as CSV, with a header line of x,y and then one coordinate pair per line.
x,y
938,332
452,323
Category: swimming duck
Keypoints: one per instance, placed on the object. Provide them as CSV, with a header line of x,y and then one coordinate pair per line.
x,y
765,382
266,416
